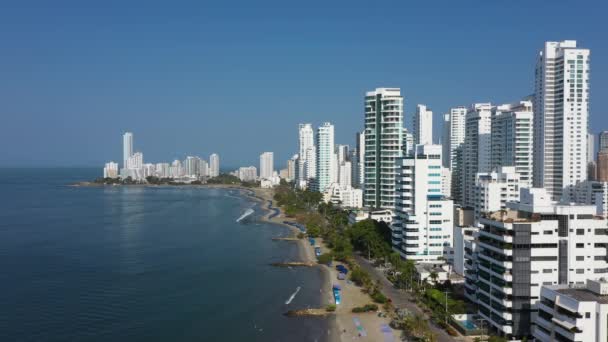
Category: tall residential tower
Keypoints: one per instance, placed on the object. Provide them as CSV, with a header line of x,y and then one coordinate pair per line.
x,y
561,112
383,145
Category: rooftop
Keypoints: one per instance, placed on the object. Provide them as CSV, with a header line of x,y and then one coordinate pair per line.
x,y
581,294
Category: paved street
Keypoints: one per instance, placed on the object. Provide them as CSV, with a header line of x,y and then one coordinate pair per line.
x,y
400,298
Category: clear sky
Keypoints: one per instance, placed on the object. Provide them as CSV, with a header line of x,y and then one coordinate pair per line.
x,y
189,78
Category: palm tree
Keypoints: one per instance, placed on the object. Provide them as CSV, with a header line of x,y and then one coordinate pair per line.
x,y
434,277
417,324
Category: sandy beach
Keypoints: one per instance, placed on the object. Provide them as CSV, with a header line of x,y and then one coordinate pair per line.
x,y
342,327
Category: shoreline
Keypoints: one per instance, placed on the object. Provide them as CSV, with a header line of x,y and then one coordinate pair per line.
x,y
340,324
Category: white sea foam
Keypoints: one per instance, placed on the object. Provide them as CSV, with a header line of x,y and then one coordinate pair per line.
x,y
293,295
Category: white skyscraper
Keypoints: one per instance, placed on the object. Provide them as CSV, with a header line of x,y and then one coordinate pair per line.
x,y
342,152
422,230
423,126
110,170
453,135
291,167
359,180
408,143
445,141
326,159
214,165
192,166
203,168
127,148
345,174
176,170
306,158
494,189
561,113
266,165
383,145
512,140
477,150
248,173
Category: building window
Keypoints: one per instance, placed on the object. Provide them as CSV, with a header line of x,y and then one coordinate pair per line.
x,y
580,232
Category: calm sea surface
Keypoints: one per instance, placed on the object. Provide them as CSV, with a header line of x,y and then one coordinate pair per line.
x,y
142,264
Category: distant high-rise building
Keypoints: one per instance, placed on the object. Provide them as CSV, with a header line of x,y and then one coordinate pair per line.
x,y
214,165
477,149
423,126
383,145
326,159
266,165
408,143
494,189
512,141
127,148
603,141
445,138
176,170
135,161
561,113
359,166
192,166
342,152
454,135
590,147
110,170
162,170
203,168
602,166
291,168
452,148
345,174
306,167
248,173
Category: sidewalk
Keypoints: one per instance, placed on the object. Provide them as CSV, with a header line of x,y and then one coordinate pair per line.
x,y
401,299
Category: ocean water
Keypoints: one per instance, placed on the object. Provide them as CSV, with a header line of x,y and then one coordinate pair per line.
x,y
143,264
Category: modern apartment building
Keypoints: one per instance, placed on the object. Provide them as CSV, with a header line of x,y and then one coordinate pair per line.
x,y
494,189
214,165
453,135
359,161
383,146
127,148
476,150
512,141
110,170
408,142
266,165
561,113
593,193
603,141
306,167
573,313
248,173
422,230
423,126
535,242
291,168
326,163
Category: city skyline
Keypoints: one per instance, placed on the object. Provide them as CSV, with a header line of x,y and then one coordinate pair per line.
x,y
171,99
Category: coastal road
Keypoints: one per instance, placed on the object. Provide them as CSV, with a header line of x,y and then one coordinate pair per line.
x,y
400,299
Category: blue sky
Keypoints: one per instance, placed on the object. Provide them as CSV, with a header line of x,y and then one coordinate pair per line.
x,y
190,78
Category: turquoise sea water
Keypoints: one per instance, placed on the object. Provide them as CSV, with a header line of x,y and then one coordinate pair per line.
x,y
143,264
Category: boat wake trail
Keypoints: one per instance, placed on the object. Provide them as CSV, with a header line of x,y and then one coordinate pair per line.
x,y
293,295
245,214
